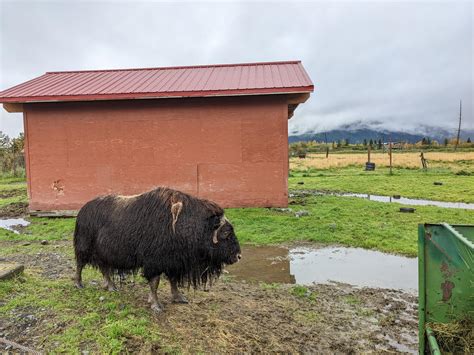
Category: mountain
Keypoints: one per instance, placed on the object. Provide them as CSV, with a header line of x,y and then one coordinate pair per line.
x,y
358,131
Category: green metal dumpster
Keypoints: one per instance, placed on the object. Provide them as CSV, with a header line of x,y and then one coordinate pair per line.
x,y
446,279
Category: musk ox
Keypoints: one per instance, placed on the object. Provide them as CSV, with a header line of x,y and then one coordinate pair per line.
x,y
162,231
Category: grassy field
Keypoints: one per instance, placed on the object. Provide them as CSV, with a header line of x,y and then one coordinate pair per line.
x,y
411,183
46,312
456,161
12,190
347,221
332,219
42,308
104,324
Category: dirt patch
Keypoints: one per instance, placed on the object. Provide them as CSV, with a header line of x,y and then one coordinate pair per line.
x,y
11,193
50,262
241,316
16,209
22,327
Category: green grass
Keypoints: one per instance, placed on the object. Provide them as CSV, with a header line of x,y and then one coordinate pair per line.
x,y
306,317
12,190
7,184
341,220
77,319
14,199
42,229
302,292
332,220
351,299
411,183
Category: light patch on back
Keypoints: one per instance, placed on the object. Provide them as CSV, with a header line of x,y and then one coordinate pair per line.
x,y
123,200
127,196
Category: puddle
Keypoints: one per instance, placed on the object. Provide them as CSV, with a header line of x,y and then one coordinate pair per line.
x,y
401,200
410,201
12,224
306,266
402,348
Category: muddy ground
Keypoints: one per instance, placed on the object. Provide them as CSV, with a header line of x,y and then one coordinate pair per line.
x,y
16,209
236,316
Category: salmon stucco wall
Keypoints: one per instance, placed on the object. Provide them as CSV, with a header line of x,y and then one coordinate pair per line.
x,y
230,150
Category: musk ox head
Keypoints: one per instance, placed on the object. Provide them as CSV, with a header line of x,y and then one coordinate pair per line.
x,y
217,240
225,247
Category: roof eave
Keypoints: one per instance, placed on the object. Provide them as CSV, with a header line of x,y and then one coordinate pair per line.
x,y
154,95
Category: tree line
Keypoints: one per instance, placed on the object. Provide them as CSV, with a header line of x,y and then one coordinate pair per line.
x,y
11,155
299,148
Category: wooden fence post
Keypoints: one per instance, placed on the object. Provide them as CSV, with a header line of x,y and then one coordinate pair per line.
x,y
390,154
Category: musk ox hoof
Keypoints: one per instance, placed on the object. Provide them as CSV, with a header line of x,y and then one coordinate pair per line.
x,y
110,288
157,308
179,299
78,284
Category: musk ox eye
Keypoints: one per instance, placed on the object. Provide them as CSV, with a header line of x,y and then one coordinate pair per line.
x,y
216,222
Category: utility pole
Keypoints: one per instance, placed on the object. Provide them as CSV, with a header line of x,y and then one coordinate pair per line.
x,y
390,154
327,147
459,127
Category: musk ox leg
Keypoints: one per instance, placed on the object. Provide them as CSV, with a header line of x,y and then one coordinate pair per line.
x,y
176,296
78,277
108,283
153,297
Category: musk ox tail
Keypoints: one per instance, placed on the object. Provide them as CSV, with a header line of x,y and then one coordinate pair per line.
x,y
83,243
86,232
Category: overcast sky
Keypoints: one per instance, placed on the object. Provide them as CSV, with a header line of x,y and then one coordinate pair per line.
x,y
399,64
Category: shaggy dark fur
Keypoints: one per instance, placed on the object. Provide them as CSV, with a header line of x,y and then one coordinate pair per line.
x,y
162,231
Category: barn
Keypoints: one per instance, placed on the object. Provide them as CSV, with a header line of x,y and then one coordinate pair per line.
x,y
216,131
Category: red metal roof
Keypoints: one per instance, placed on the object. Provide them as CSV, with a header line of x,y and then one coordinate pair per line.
x,y
199,81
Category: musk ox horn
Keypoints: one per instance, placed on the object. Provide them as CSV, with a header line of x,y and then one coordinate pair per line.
x,y
175,211
214,235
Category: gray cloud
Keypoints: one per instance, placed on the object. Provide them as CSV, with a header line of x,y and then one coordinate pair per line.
x,y
401,64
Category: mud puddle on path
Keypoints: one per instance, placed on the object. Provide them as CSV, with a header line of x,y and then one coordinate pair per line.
x,y
12,224
411,201
307,266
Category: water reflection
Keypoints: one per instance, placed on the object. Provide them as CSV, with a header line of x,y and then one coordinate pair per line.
x,y
306,266
410,201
